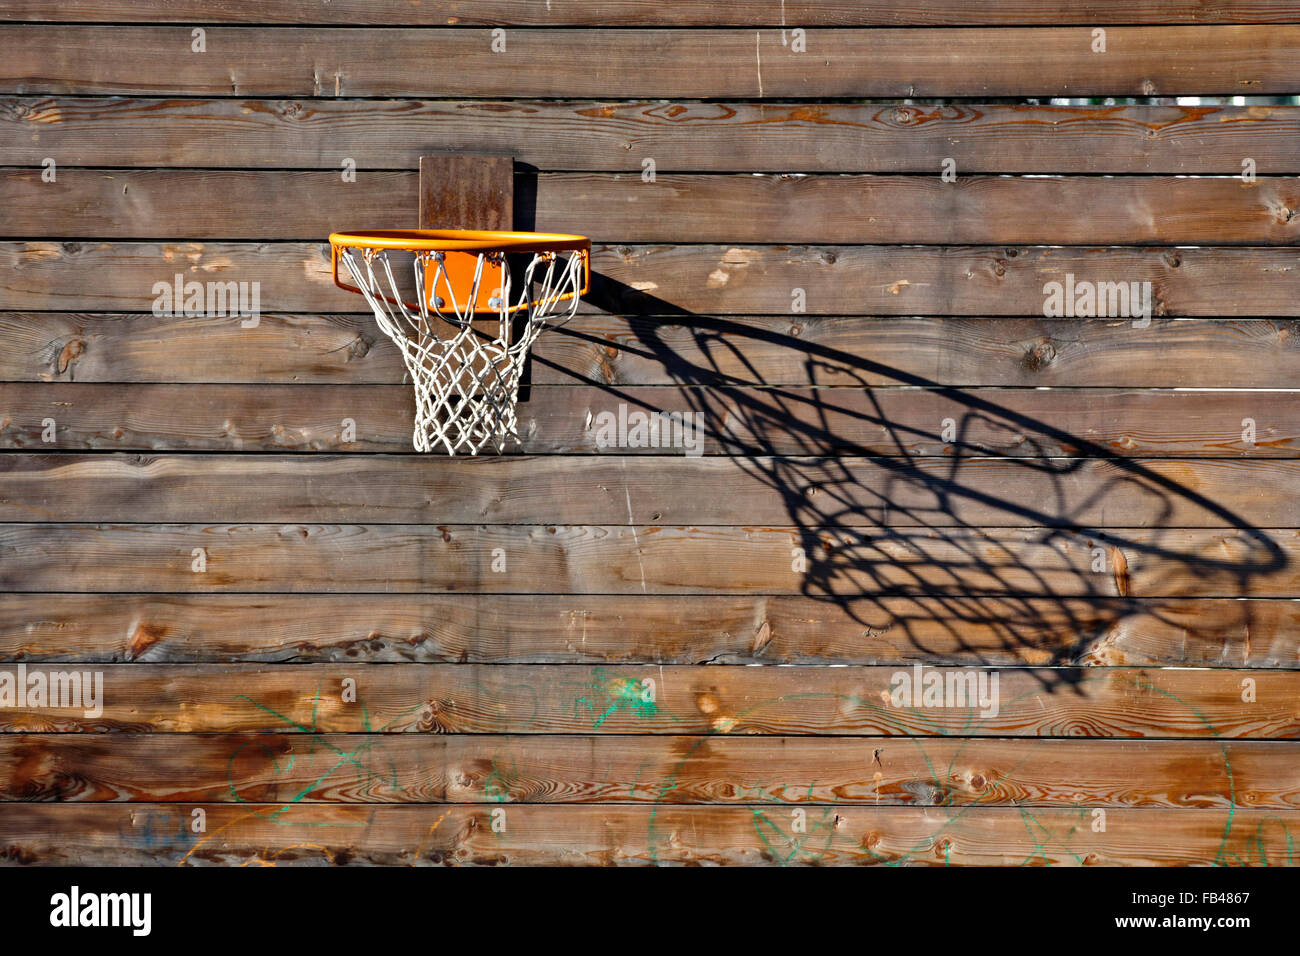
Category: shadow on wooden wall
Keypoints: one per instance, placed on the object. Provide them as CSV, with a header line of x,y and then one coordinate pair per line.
x,y
1003,556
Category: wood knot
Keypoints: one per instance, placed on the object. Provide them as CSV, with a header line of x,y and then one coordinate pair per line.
x,y
71,351
144,637
1039,357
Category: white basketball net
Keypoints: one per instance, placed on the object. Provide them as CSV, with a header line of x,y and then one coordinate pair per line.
x,y
467,384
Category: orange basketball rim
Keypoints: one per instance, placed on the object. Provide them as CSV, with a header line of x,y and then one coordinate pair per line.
x,y
461,265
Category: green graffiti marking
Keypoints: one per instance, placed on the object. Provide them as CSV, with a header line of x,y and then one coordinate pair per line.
x,y
778,841
1041,835
496,785
606,696
315,743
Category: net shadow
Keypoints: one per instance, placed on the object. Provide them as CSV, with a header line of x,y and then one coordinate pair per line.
x,y
923,552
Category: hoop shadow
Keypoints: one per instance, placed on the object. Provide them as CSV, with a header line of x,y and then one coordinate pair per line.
x,y
900,555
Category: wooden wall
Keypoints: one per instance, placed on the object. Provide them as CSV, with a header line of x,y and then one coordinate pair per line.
x,y
690,658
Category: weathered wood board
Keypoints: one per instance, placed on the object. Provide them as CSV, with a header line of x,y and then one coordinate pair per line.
x,y
859,351
652,13
695,63
682,280
756,835
686,136
135,204
657,629
700,701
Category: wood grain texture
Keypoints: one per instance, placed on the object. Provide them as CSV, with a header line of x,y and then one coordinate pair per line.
x,y
905,469
864,493
866,62
423,699
294,835
349,349
653,629
144,204
1212,281
652,13
838,565
682,137
555,419
453,191
662,771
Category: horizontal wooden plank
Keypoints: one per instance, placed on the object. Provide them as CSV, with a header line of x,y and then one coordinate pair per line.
x,y
918,492
348,349
660,771
683,137
157,203
759,834
140,347
654,13
835,564
895,422
424,699
841,350
677,279
905,209
865,62
165,203
658,700
677,629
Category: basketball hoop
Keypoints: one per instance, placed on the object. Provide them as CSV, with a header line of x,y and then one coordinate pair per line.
x,y
466,379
